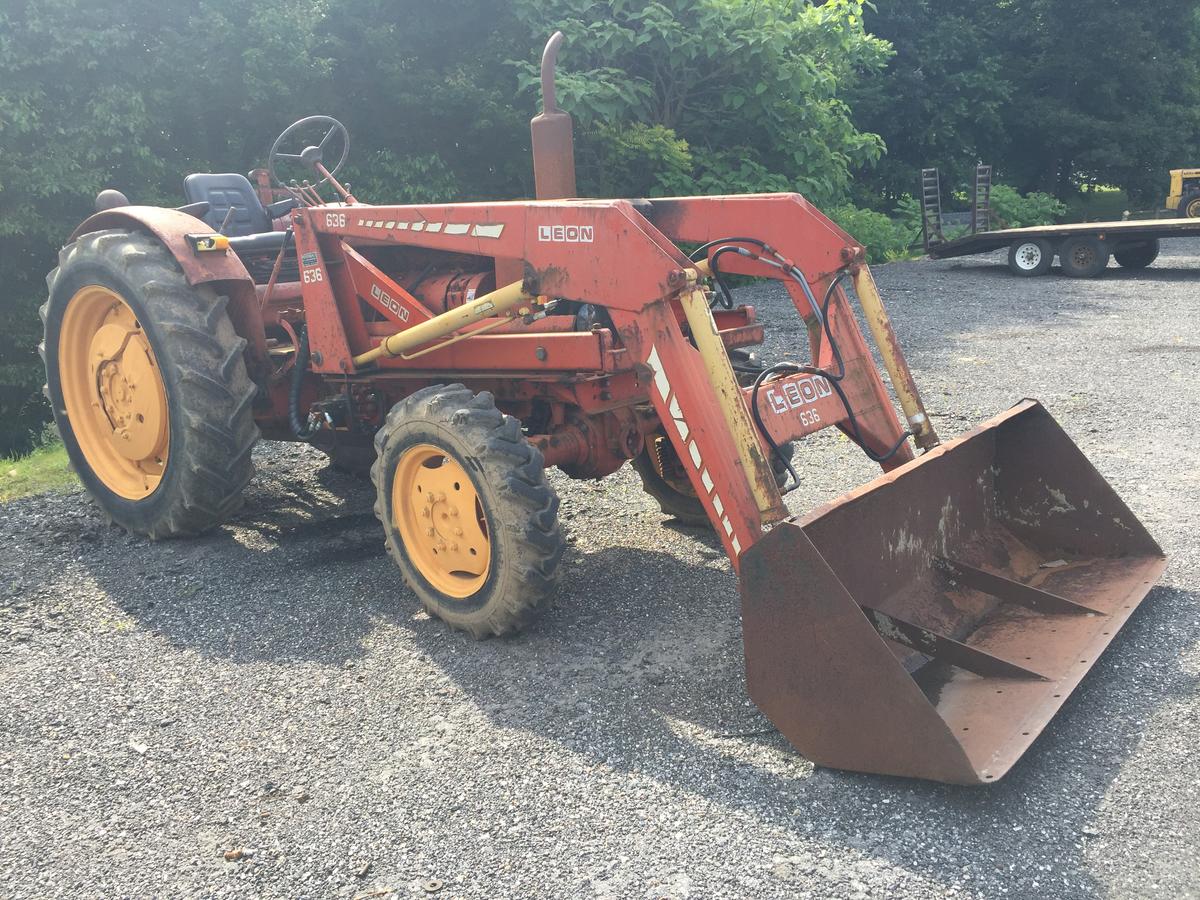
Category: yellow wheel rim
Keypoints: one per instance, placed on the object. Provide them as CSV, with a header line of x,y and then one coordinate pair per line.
x,y
440,518
113,392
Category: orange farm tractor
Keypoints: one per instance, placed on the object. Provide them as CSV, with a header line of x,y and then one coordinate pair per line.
x,y
928,624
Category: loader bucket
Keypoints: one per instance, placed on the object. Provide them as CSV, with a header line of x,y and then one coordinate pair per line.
x,y
930,623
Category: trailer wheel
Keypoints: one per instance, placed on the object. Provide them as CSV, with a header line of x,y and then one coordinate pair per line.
x,y
467,514
1189,206
1083,256
148,385
1137,256
1030,256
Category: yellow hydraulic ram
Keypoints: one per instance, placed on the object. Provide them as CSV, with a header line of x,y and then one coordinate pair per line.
x,y
893,359
496,303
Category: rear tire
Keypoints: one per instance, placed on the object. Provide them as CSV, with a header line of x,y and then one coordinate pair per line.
x,y
1030,257
1189,206
466,511
1137,256
176,362
1083,256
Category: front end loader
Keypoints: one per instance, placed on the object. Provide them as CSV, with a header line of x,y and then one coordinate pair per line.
x,y
928,624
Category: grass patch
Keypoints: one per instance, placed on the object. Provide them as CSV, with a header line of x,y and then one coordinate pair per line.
x,y
45,469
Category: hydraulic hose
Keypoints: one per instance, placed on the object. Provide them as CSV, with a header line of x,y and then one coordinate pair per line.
x,y
302,431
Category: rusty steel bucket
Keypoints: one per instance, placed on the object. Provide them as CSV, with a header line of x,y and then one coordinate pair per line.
x,y
930,623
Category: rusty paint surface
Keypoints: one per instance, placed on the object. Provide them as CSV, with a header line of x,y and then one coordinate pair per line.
x,y
1005,541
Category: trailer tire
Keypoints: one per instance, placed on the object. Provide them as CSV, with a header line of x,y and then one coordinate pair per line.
x,y
455,476
1083,256
1137,256
1029,257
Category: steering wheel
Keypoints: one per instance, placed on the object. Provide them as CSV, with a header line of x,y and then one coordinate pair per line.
x,y
312,154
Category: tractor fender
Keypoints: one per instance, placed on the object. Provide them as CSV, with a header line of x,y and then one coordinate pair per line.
x,y
224,272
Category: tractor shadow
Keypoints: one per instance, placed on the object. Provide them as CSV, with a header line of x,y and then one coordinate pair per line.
x,y
638,668
646,676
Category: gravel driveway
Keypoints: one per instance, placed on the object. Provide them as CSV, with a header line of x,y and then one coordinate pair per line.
x,y
264,712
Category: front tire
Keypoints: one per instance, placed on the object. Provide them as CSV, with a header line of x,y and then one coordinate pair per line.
x,y
665,479
1083,256
1189,206
148,385
466,511
1030,257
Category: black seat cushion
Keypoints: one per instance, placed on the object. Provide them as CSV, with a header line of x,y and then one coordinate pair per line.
x,y
221,191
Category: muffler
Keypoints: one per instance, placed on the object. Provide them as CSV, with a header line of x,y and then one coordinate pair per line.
x,y
930,623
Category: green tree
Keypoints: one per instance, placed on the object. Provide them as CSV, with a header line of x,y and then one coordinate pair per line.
x,y
940,99
1104,92
1056,94
754,89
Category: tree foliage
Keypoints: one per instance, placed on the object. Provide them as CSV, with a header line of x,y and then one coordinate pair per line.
x,y
1056,94
752,89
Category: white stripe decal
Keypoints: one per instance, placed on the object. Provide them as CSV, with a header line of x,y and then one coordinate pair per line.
x,y
390,225
433,226
487,231
660,377
418,226
457,229
401,226
677,415
664,390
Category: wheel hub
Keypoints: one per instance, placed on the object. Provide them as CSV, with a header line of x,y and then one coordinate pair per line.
x,y
120,359
113,392
440,517
1029,256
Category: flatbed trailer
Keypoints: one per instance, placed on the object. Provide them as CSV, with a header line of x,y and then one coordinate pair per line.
x,y
1083,248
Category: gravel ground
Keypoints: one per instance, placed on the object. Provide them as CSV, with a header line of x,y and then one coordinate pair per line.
x,y
272,690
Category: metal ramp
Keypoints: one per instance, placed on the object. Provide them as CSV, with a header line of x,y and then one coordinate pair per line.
x,y
931,208
981,208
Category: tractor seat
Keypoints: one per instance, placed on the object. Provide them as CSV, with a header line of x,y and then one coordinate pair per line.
x,y
250,228
221,192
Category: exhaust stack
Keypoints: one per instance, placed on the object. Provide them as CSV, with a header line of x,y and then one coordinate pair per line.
x,y
553,139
